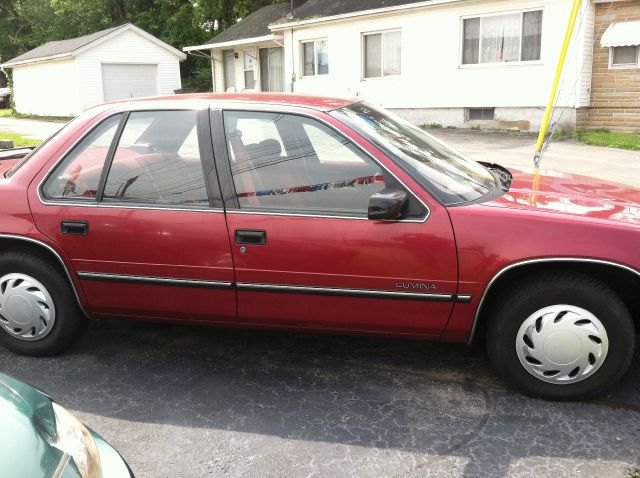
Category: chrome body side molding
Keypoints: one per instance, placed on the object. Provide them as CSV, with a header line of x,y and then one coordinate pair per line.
x,y
380,294
208,284
277,288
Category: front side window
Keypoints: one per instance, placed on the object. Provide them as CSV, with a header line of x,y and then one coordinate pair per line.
x,y
158,161
315,58
382,54
292,163
78,176
449,176
626,56
505,38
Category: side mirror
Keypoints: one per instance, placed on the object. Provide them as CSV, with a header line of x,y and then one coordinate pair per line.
x,y
388,204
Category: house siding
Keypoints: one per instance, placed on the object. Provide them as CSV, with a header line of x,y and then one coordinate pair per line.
x,y
615,94
126,47
217,70
252,49
432,77
47,88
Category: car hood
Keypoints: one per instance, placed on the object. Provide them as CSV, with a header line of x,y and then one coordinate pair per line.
x,y
27,417
555,191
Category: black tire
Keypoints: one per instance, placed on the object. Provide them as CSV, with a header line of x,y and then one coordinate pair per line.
x,y
533,294
69,323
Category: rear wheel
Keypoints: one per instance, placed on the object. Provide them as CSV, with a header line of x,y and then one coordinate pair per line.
x,y
561,337
39,315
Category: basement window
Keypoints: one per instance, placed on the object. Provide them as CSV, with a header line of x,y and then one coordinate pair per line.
x,y
480,114
624,56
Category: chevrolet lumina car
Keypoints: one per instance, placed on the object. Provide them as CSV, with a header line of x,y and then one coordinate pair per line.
x,y
318,214
41,439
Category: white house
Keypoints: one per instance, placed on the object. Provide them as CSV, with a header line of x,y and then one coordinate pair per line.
x,y
63,78
454,62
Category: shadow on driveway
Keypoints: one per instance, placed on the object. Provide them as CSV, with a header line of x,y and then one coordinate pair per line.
x,y
198,401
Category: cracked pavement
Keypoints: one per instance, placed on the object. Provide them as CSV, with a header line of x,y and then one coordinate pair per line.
x,y
194,401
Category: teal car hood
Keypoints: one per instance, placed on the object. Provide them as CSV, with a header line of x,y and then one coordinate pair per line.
x,y
28,428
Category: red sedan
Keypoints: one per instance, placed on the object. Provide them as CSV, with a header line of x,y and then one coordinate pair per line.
x,y
318,214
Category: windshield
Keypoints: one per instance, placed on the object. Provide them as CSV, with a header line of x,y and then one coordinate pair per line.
x,y
449,176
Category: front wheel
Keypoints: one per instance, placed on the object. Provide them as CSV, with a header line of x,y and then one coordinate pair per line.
x,y
561,337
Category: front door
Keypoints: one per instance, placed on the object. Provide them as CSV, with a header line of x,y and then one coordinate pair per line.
x,y
305,253
141,232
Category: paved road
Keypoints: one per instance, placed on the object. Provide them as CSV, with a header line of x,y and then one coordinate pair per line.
x,y
182,401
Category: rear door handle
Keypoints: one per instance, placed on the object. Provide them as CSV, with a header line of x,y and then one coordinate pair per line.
x,y
74,228
247,236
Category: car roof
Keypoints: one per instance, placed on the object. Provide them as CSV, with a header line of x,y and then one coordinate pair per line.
x,y
321,103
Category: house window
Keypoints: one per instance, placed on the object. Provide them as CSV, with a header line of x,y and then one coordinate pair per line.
x,y
480,114
625,56
502,38
249,71
382,54
315,58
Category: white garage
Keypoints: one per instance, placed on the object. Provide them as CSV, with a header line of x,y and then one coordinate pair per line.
x,y
63,78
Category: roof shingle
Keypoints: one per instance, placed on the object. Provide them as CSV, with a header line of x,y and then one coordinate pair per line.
x,y
255,25
326,8
61,47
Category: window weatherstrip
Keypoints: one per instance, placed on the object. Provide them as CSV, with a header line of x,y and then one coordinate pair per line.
x,y
110,155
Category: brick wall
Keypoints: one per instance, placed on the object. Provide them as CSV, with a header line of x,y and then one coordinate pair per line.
x,y
615,93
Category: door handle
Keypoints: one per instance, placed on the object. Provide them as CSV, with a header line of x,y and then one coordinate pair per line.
x,y
74,228
246,236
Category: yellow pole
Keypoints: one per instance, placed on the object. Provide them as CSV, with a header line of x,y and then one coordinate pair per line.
x,y
575,8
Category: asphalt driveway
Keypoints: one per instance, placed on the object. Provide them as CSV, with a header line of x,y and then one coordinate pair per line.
x,y
188,401
510,149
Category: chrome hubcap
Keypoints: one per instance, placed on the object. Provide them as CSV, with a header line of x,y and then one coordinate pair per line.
x,y
26,308
562,344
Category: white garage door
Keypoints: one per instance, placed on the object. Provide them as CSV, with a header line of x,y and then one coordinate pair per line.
x,y
129,81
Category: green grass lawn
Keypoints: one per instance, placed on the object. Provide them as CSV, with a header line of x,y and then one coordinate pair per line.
x,y
609,139
9,113
19,140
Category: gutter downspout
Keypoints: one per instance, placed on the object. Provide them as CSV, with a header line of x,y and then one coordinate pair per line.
x,y
293,63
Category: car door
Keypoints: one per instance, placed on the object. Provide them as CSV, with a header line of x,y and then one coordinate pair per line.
x,y
136,207
297,192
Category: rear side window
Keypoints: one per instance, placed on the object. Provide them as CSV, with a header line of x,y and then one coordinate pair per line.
x,y
293,163
158,161
78,176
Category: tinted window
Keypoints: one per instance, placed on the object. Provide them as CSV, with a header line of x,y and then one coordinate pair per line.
x,y
158,161
79,174
281,161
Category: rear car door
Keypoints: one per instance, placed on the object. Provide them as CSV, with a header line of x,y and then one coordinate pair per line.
x,y
135,205
297,192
